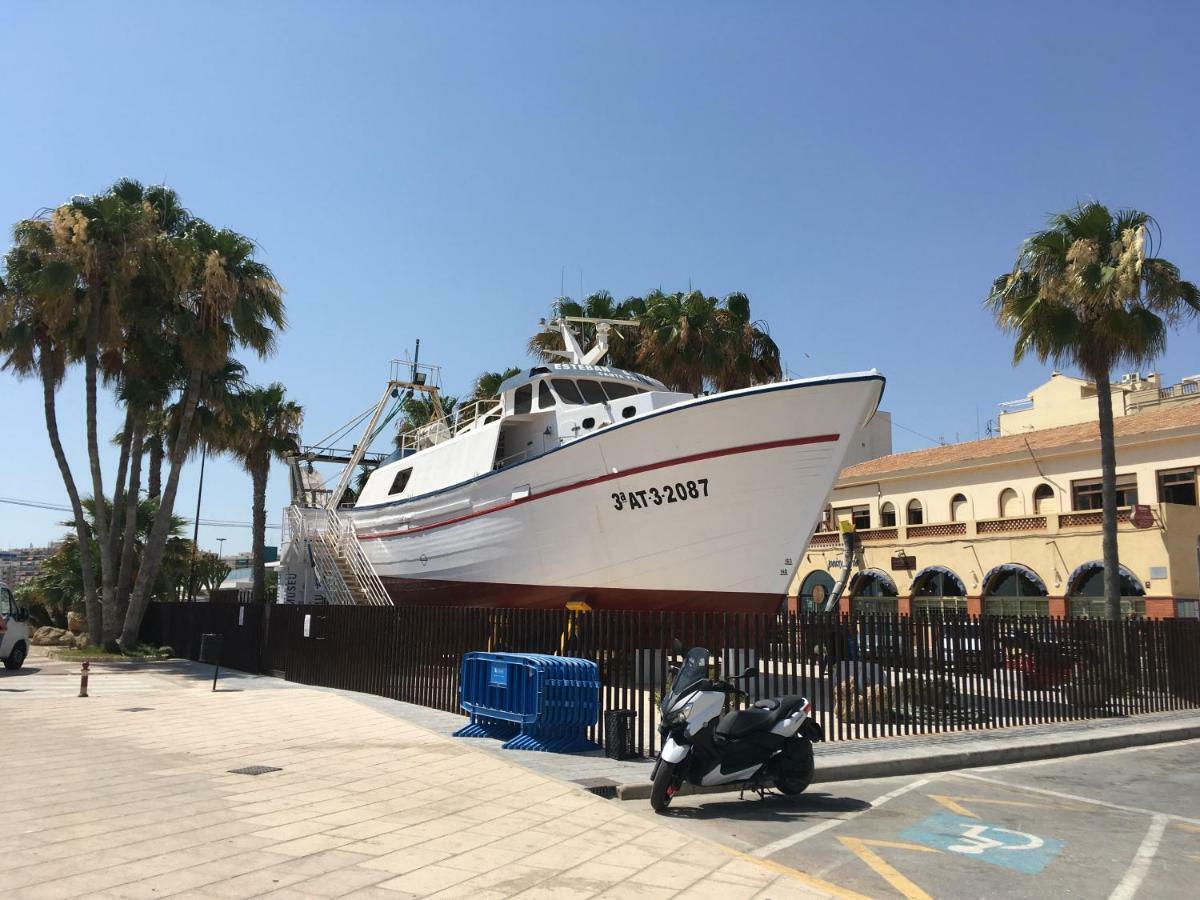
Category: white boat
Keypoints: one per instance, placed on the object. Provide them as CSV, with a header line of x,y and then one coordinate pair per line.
x,y
586,483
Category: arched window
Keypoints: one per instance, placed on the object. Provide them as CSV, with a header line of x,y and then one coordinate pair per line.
x,y
1014,590
1010,503
1085,593
938,593
1044,500
815,590
958,508
872,592
887,516
914,514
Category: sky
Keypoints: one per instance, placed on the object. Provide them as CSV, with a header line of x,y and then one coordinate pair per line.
x,y
443,170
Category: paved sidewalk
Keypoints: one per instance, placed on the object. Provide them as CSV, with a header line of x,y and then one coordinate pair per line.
x,y
129,794
851,760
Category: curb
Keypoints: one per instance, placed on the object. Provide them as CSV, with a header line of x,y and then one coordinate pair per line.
x,y
933,761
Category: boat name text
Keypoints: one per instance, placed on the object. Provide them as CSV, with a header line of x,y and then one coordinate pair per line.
x,y
679,492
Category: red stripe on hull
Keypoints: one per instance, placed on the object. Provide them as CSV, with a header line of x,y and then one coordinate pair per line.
x,y
636,470
429,592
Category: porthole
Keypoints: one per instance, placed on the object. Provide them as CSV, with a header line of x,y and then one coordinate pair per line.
x,y
629,412
589,422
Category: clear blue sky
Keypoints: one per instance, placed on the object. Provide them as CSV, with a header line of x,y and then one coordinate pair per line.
x,y
427,170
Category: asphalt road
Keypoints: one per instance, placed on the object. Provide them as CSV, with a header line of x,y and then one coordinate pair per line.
x,y
1119,824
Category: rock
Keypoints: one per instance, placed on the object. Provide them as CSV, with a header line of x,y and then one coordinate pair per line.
x,y
82,640
76,624
49,636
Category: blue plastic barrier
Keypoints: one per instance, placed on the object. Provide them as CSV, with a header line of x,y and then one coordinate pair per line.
x,y
531,701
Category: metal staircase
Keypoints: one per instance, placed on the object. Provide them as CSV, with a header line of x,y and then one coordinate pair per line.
x,y
345,573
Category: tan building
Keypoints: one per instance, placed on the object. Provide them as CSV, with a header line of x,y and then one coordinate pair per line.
x,y
1064,400
1011,525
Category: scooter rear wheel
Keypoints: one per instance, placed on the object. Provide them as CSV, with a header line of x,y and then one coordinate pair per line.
x,y
664,787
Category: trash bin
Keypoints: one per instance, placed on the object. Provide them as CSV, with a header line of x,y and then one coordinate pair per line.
x,y
532,701
618,733
210,648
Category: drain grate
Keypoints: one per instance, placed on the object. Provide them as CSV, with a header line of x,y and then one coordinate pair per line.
x,y
255,770
138,709
601,787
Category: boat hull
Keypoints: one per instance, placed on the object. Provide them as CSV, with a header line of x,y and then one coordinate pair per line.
x,y
705,505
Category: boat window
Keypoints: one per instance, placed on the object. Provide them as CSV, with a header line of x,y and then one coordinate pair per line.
x,y
629,412
589,422
591,390
567,391
616,390
523,399
400,482
545,396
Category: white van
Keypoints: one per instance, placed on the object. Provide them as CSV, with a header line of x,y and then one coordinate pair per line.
x,y
14,632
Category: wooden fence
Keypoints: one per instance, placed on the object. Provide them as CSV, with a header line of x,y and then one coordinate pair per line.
x,y
871,676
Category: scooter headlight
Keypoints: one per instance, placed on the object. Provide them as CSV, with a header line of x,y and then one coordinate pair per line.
x,y
679,716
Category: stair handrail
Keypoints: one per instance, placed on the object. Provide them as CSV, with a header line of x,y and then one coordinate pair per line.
x,y
368,579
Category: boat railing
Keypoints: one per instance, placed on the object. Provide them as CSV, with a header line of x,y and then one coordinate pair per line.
x,y
469,413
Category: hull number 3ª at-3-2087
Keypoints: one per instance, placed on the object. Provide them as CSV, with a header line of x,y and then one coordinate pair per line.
x,y
679,492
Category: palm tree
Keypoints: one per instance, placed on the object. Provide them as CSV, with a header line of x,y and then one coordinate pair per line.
x,y
221,298
38,329
1089,292
262,427
688,341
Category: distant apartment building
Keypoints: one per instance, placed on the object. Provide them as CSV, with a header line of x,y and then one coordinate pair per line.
x,y
19,564
1011,525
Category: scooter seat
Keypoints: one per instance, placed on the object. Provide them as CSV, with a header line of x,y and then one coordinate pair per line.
x,y
762,716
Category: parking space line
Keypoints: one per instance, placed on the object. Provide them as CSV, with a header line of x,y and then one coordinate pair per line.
x,y
792,839
1188,826
1076,798
1136,873
1055,760
951,803
804,878
859,847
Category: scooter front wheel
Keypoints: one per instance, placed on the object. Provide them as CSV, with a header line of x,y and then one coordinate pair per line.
x,y
665,785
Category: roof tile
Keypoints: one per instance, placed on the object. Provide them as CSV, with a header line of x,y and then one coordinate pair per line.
x,y
1179,415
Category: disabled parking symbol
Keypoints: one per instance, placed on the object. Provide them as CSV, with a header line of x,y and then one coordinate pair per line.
x,y
1007,847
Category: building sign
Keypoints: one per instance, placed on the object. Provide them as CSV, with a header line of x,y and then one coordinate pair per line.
x,y
498,675
904,563
1142,517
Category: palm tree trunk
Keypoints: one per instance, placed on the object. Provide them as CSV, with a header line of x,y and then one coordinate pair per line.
x,y
110,601
90,601
129,540
154,486
1108,499
100,516
156,543
259,471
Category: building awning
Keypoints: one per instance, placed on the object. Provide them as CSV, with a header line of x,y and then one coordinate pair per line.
x,y
885,580
1014,568
1128,579
945,573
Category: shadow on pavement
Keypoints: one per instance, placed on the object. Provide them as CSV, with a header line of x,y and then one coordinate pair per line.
x,y
24,670
773,808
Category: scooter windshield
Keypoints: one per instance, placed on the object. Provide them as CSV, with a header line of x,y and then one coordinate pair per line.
x,y
693,671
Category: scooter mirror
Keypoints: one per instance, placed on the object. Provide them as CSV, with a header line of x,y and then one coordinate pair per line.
x,y
750,672
676,646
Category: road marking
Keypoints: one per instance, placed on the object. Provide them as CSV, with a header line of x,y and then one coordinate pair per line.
x,y
817,884
1075,797
793,839
858,846
993,844
1054,760
1187,826
1136,873
951,803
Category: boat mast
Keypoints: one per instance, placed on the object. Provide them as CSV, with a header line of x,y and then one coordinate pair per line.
x,y
573,352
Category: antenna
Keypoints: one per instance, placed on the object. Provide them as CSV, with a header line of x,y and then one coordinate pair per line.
x,y
581,285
